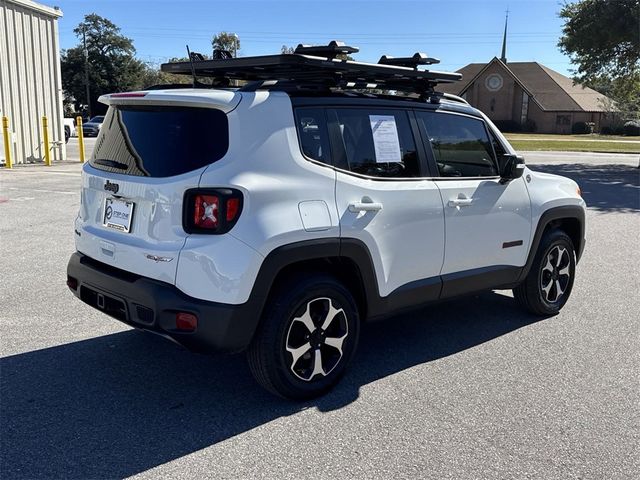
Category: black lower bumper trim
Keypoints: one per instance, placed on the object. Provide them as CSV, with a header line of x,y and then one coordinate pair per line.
x,y
152,305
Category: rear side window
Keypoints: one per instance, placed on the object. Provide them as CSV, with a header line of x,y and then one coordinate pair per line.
x,y
313,135
160,141
460,145
378,143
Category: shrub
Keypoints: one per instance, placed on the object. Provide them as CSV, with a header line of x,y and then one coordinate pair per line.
x,y
529,126
606,130
581,128
631,127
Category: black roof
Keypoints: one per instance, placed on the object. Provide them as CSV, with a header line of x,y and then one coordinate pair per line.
x,y
326,71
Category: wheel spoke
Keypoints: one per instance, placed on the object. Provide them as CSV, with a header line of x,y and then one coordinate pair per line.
x,y
305,319
559,290
335,342
331,315
298,352
561,253
547,289
548,267
564,272
317,365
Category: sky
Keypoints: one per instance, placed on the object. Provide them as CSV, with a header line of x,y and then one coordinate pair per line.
x,y
457,32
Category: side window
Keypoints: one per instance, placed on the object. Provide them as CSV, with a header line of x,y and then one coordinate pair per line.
x,y
378,143
460,144
312,130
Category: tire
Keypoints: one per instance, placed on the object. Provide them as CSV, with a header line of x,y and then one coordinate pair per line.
x,y
67,134
291,328
548,284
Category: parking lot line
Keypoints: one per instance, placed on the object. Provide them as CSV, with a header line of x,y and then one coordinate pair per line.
x,y
70,174
42,190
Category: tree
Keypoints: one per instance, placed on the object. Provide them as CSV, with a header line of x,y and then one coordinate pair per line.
x,y
226,41
154,76
602,37
623,94
286,49
111,62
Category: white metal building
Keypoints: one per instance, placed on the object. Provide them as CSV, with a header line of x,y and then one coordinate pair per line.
x,y
30,80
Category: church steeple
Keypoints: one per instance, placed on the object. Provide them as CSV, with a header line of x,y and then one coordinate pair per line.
x,y
503,57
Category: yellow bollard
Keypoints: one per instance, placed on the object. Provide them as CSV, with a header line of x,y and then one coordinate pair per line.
x,y
47,148
7,142
80,137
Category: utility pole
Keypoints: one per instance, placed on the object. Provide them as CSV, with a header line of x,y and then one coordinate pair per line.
x,y
86,69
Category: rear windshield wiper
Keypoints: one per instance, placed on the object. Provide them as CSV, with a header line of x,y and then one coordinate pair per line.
x,y
111,163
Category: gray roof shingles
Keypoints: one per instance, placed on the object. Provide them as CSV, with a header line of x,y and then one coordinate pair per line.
x,y
551,90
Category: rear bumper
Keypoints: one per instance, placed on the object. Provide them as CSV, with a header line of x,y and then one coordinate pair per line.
x,y
152,305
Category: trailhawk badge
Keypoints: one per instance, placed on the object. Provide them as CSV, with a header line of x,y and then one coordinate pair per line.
x,y
157,259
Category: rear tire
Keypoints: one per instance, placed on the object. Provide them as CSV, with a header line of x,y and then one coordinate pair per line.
x,y
307,336
548,284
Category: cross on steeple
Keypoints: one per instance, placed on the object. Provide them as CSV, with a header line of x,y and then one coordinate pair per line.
x,y
503,57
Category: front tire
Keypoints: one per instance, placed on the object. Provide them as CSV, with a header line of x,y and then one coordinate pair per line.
x,y
307,336
548,284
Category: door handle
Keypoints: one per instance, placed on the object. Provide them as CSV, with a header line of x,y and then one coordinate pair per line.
x,y
461,201
355,207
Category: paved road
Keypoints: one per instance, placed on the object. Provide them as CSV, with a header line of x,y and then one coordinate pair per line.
x,y
467,389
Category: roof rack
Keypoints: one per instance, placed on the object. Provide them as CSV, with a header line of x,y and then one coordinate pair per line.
x,y
320,70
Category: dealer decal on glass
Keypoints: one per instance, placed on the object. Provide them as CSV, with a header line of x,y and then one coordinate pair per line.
x,y
385,138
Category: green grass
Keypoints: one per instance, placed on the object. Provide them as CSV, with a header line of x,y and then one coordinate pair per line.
x,y
553,136
574,143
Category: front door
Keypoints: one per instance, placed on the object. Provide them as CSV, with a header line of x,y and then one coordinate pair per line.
x,y
487,223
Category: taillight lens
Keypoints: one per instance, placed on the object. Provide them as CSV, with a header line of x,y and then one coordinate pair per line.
x,y
233,209
206,211
211,210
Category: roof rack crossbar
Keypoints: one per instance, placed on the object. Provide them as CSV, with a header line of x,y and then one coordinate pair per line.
x,y
414,61
330,51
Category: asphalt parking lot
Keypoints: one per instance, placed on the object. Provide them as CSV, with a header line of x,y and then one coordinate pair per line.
x,y
467,389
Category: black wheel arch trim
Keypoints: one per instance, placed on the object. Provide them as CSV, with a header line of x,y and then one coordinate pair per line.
x,y
351,249
409,296
563,212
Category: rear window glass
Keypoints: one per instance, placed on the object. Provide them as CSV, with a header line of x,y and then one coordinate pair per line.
x,y
160,141
312,131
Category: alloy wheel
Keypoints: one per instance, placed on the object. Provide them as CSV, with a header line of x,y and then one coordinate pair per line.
x,y
315,339
555,275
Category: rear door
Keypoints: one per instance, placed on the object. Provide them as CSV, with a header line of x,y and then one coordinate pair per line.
x,y
385,201
488,223
145,157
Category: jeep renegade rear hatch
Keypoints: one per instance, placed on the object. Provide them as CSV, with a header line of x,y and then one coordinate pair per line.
x,y
160,141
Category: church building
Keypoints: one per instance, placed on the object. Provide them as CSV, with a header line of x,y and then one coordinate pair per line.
x,y
529,96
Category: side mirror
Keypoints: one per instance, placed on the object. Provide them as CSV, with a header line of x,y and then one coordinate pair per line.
x,y
512,167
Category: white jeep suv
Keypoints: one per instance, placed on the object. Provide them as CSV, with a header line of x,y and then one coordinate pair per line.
x,y
277,217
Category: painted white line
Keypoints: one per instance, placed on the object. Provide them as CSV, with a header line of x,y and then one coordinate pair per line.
x,y
22,199
42,190
46,173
